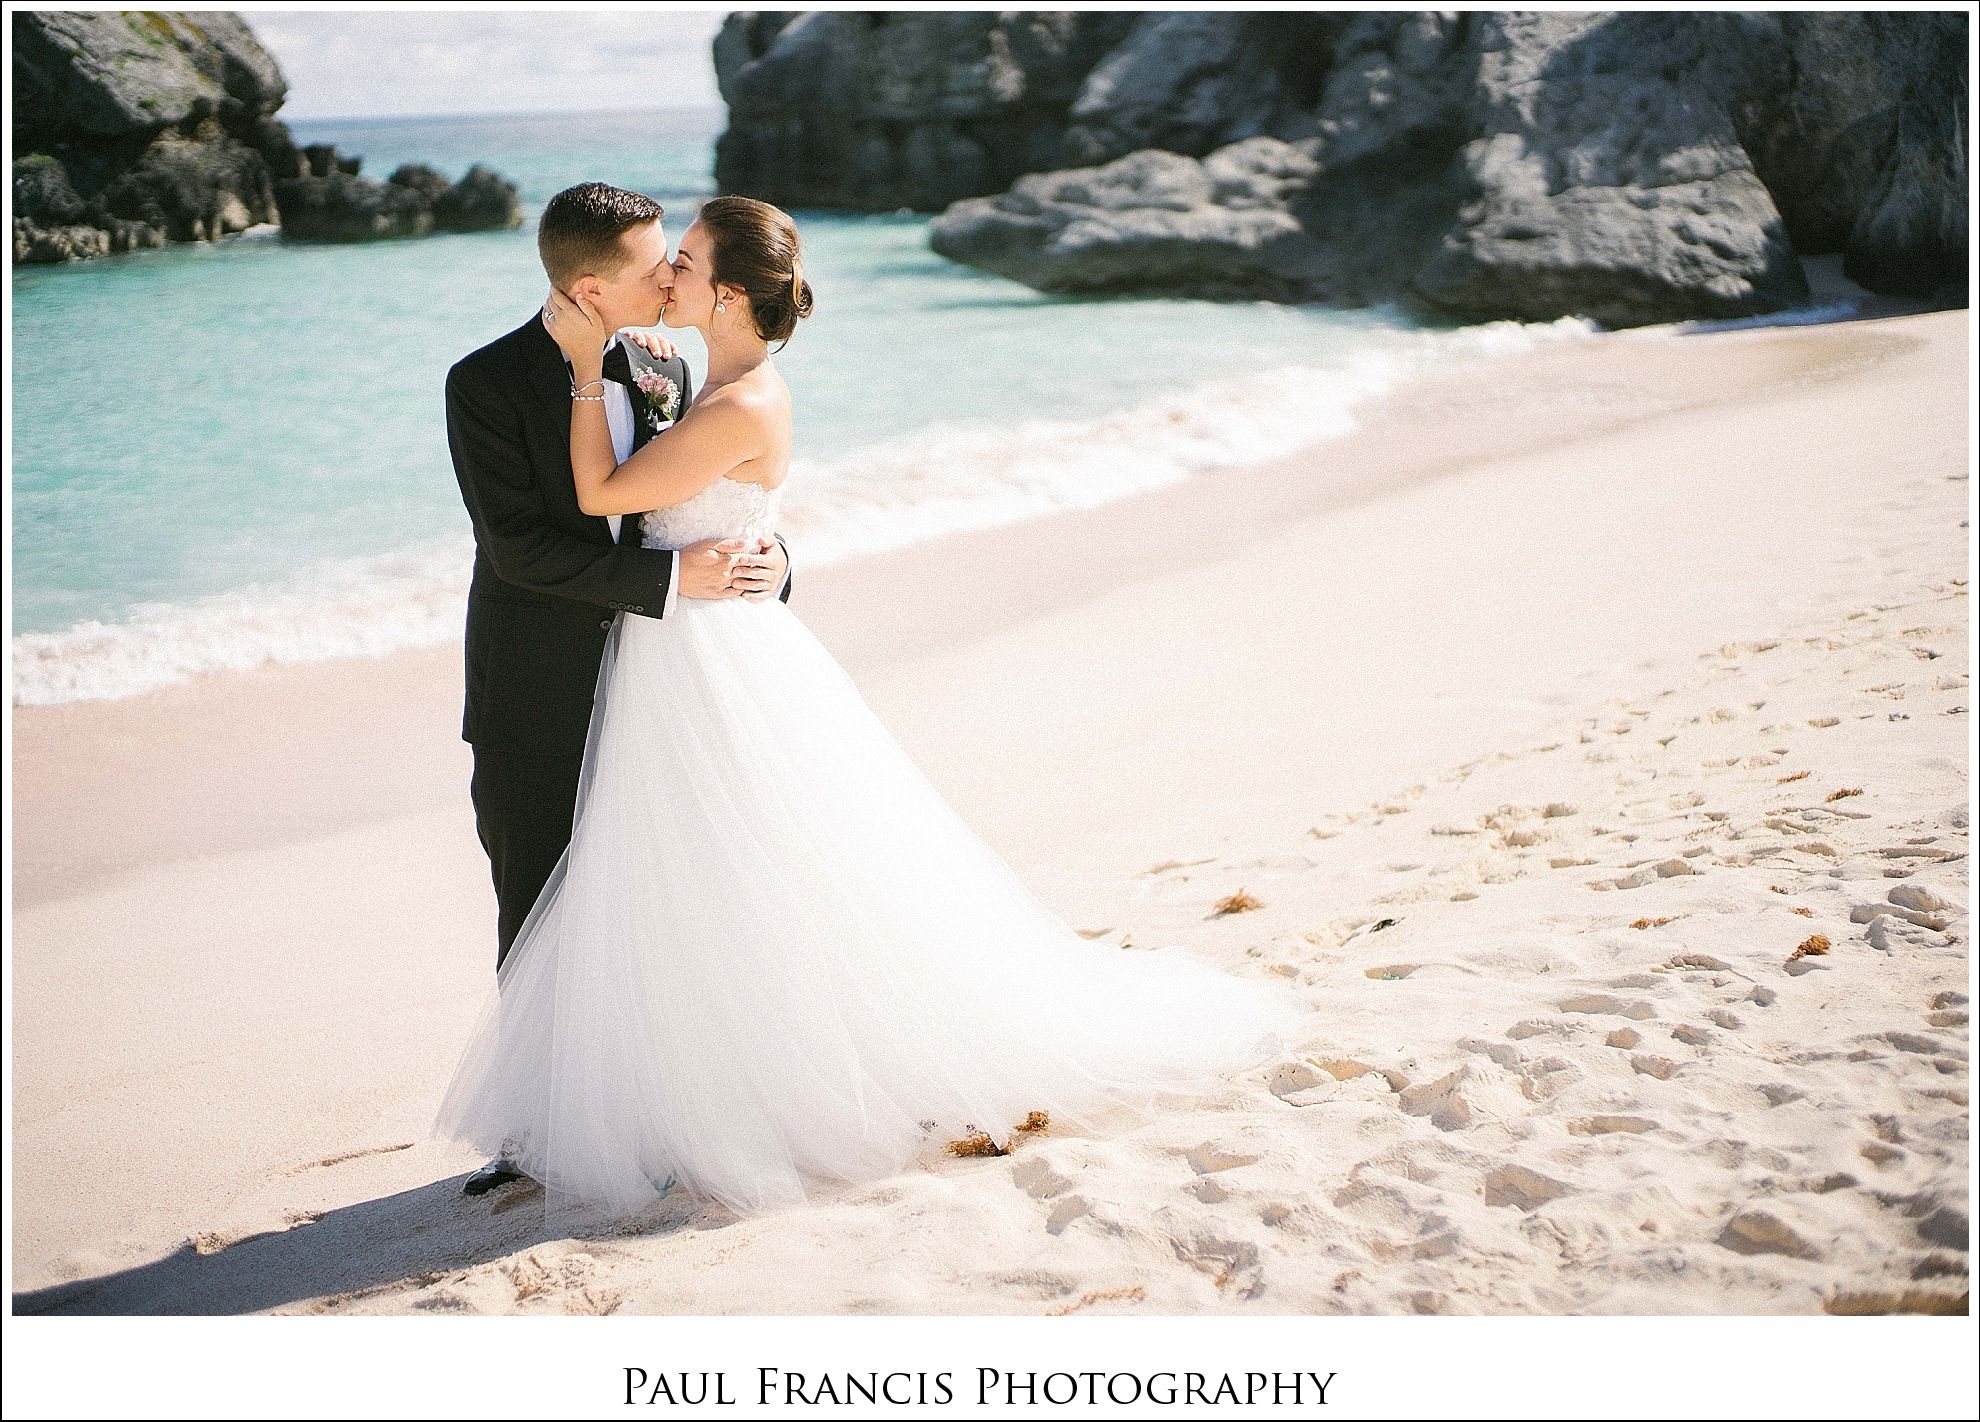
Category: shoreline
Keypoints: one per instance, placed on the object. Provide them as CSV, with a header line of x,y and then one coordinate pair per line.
x,y
899,490
283,715
1573,579
893,492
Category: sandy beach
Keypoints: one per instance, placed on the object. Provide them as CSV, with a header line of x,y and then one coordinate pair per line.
x,y
1590,730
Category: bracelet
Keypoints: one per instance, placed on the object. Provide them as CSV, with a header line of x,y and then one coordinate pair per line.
x,y
587,397
586,386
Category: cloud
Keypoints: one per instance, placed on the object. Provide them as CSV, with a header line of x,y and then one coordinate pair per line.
x,y
365,63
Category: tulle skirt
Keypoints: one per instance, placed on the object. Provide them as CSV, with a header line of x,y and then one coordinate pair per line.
x,y
774,959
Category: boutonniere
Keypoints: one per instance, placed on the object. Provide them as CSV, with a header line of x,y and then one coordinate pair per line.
x,y
662,397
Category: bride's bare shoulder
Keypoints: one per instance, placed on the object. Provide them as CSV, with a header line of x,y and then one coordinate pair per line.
x,y
765,402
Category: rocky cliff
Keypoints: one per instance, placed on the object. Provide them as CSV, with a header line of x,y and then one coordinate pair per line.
x,y
1629,166
876,111
134,129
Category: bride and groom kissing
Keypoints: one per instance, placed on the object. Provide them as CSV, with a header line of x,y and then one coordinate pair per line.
x,y
743,945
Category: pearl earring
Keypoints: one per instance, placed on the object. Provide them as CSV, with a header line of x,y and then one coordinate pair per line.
x,y
720,307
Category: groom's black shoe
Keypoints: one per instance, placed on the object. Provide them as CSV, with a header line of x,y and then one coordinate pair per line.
x,y
496,1172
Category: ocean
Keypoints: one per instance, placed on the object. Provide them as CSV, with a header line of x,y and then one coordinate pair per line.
x,y
235,453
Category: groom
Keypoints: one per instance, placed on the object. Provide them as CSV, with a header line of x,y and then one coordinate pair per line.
x,y
547,576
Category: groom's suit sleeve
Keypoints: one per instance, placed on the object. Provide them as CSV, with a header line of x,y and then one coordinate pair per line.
x,y
492,465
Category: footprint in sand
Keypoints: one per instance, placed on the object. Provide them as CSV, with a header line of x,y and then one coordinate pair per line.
x,y
1208,1159
1701,962
1300,1084
1071,1208
1915,1043
1604,1005
1038,1178
1946,1016
1649,874
1396,972
1864,1302
1888,934
1611,1125
564,1280
1528,1028
1232,1264
1520,1188
1475,1092
1759,1231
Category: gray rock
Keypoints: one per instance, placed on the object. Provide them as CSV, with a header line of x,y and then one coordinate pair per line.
x,y
53,223
272,140
319,160
1631,167
482,201
139,128
1193,81
42,187
875,110
1149,221
429,183
152,121
1866,154
343,207
192,191
1606,178
112,73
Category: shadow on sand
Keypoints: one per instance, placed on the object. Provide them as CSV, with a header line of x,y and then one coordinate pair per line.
x,y
396,1243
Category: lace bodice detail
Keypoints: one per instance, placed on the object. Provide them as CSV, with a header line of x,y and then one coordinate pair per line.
x,y
727,508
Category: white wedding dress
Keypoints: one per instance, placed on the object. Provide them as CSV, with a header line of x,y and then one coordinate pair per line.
x,y
773,958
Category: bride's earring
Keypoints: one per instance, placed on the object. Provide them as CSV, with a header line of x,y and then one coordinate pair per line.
x,y
720,307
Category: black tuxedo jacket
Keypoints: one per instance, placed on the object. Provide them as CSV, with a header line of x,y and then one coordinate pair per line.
x,y
547,575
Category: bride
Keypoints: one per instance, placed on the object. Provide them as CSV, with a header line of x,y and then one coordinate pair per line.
x,y
772,957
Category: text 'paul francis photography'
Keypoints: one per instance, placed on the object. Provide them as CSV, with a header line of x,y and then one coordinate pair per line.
x,y
991,1387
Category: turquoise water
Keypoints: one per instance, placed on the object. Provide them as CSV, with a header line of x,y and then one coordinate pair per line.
x,y
252,419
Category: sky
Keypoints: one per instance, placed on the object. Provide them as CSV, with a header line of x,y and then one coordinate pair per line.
x,y
351,63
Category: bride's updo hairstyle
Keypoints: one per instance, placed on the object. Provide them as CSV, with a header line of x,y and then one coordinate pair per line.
x,y
755,248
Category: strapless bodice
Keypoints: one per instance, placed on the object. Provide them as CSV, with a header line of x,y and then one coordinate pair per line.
x,y
727,508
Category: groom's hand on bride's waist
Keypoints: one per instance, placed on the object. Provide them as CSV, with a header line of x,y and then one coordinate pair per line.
x,y
707,568
760,572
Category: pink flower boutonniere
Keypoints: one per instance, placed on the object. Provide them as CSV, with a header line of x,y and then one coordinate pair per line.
x,y
662,397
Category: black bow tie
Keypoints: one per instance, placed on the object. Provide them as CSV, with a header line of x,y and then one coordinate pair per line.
x,y
617,367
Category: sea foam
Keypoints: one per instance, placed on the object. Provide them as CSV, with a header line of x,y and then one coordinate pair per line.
x,y
939,480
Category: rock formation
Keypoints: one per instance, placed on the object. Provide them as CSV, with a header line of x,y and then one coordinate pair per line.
x,y
884,110
1629,166
134,129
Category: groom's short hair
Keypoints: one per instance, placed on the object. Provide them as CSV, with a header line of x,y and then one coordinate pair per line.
x,y
580,229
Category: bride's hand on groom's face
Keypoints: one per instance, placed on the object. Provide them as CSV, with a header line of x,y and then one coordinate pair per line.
x,y
654,344
574,325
